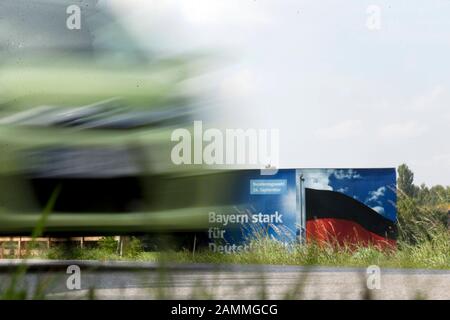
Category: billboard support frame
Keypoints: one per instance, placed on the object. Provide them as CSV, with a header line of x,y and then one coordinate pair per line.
x,y
301,237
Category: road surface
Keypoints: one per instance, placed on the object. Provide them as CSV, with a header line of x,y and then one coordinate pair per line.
x,y
138,280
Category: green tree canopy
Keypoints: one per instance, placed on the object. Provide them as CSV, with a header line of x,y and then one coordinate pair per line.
x,y
405,181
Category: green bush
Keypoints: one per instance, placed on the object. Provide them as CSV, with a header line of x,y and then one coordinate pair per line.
x,y
108,244
418,223
133,248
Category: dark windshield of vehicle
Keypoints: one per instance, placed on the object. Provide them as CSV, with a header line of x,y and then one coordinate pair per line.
x,y
38,28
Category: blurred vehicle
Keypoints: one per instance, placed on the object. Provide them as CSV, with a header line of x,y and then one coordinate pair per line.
x,y
88,115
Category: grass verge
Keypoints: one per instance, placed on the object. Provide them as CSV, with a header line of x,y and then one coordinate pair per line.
x,y
432,253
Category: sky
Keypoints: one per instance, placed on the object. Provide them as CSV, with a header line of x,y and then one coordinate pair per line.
x,y
341,93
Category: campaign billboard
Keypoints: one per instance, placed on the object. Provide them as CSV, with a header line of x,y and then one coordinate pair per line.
x,y
344,206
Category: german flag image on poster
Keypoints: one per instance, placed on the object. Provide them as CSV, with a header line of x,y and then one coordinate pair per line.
x,y
351,206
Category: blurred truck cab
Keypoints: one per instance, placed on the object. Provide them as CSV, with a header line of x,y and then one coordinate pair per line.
x,y
88,112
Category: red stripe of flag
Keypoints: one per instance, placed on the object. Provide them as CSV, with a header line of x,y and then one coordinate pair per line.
x,y
339,231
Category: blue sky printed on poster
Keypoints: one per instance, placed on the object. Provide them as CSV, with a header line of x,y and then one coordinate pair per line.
x,y
376,188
